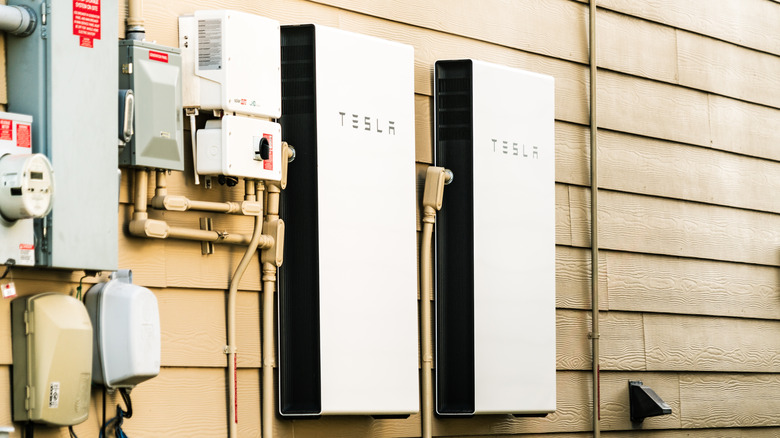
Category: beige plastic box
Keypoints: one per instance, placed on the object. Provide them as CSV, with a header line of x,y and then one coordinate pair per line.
x,y
52,359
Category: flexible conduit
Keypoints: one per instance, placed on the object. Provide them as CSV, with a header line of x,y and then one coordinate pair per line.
x,y
594,224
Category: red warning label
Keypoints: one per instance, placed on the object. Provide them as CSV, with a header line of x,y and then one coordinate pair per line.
x,y
158,56
86,21
269,163
23,139
6,129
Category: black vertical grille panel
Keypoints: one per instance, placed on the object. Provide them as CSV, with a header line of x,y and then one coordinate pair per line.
x,y
299,310
455,241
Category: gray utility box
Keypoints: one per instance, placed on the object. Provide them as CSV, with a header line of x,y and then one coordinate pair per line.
x,y
153,72
64,75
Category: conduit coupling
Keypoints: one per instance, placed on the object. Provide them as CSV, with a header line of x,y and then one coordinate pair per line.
x,y
17,20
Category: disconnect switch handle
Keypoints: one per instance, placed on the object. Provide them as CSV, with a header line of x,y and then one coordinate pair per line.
x,y
126,111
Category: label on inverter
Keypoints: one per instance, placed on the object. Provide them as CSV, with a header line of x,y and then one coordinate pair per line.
x,y
210,44
86,21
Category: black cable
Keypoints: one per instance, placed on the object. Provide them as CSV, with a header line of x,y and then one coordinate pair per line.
x,y
103,427
8,264
29,430
126,397
71,432
119,419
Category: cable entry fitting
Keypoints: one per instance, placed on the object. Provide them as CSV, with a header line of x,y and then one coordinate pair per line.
x,y
433,196
18,20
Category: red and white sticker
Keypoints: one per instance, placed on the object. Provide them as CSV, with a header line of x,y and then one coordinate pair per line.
x,y
269,163
26,254
6,129
9,290
23,137
86,21
158,56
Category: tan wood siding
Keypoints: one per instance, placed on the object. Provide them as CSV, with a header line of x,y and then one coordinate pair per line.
x,y
689,110
745,22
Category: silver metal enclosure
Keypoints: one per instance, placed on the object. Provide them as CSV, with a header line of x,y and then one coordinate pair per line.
x,y
64,75
153,72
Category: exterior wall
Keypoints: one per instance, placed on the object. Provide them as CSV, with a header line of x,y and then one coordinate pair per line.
x,y
689,111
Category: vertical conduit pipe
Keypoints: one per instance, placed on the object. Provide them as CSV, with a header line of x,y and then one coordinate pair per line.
x,y
135,20
594,224
433,195
232,364
269,285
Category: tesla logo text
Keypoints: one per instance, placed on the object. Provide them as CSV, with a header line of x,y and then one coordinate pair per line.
x,y
367,123
516,149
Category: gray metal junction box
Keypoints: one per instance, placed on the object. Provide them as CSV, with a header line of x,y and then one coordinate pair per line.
x,y
153,72
64,75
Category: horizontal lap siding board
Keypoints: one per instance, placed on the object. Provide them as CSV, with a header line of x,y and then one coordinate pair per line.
x,y
646,166
698,343
662,284
726,69
745,22
193,328
523,25
730,400
637,223
669,112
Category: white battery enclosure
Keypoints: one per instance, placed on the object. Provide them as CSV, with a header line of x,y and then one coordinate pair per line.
x,y
348,287
17,238
240,146
52,351
26,186
495,240
230,62
126,325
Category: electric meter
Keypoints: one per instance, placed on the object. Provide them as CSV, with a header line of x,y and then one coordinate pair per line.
x,y
26,186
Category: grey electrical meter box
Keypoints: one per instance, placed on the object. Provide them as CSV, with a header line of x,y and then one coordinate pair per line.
x,y
64,76
153,72
52,351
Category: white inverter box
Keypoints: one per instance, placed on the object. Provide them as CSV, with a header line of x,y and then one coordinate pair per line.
x,y
348,287
230,62
495,240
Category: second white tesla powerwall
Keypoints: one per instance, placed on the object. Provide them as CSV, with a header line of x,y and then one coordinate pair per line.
x,y
348,287
495,240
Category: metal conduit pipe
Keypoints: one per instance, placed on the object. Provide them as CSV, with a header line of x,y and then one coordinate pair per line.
x,y
17,20
594,224
232,362
135,20
271,260
163,201
435,180
142,226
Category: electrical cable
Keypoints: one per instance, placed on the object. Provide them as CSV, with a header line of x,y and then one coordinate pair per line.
x,y
119,419
9,264
29,430
71,432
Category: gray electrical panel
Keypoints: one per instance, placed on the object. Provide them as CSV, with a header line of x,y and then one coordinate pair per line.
x,y
64,75
153,72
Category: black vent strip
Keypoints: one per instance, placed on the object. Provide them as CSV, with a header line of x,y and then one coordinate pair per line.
x,y
454,284
299,313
